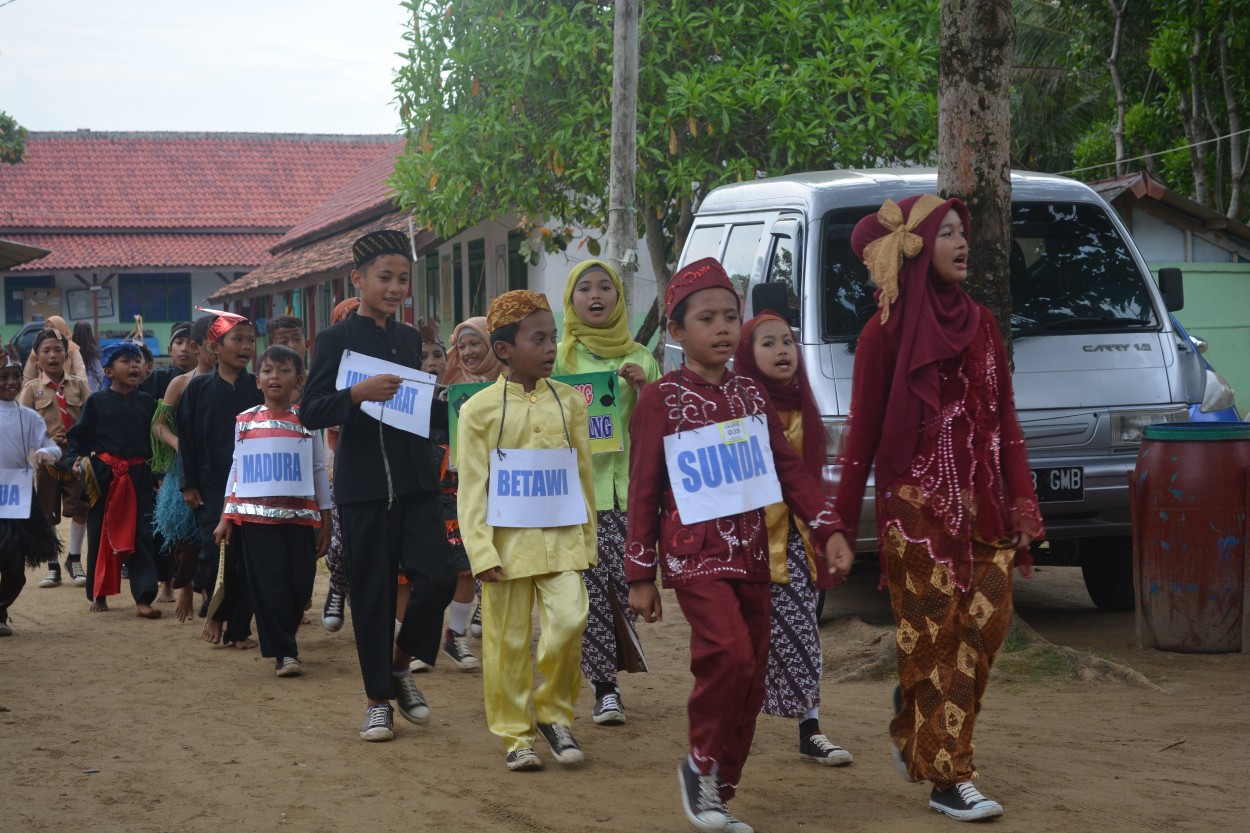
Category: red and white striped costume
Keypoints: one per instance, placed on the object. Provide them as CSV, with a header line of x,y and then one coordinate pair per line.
x,y
261,423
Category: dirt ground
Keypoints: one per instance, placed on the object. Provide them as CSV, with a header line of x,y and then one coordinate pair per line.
x,y
108,722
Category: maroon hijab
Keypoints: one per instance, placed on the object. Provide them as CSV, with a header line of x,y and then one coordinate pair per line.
x,y
930,320
796,396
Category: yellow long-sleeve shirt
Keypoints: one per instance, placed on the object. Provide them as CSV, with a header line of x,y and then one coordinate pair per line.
x,y
532,420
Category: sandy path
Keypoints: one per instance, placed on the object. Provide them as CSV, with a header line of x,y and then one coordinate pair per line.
x,y
190,738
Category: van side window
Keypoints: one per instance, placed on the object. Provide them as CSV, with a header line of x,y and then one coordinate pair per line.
x,y
742,255
847,300
704,242
784,261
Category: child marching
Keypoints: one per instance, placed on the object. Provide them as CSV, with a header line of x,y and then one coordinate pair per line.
x,y
767,354
596,337
26,537
279,497
704,529
527,512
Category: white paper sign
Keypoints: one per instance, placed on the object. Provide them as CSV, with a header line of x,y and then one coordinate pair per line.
x,y
409,409
273,467
16,486
722,469
535,487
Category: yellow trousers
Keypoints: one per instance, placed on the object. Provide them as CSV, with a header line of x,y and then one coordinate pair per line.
x,y
508,673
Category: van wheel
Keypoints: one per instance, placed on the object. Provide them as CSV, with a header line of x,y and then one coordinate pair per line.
x,y
1107,567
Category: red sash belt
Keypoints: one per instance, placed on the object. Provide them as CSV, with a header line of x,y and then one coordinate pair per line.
x,y
117,536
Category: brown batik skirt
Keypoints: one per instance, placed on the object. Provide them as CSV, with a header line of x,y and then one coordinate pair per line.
x,y
947,640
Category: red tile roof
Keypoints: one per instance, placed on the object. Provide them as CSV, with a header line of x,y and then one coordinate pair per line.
x,y
126,251
172,199
365,196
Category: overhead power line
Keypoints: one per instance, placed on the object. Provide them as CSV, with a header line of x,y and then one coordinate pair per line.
x,y
1148,155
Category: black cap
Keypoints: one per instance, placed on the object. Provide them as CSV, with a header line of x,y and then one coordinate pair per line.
x,y
378,243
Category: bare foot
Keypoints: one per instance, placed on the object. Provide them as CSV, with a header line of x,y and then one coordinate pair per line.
x,y
305,621
166,593
184,609
212,632
145,612
245,644
100,605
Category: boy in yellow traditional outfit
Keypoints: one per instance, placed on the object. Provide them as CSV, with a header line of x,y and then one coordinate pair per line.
x,y
527,514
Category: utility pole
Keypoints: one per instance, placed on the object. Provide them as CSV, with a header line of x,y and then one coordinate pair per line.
x,y
622,213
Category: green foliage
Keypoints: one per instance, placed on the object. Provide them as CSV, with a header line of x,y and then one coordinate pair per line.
x,y
12,139
508,106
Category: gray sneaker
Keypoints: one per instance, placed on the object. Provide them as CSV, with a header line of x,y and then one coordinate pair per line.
x,y
563,746
76,573
964,802
379,723
700,798
52,578
409,699
523,760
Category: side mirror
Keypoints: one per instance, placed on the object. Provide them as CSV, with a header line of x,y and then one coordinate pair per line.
x,y
771,296
1172,288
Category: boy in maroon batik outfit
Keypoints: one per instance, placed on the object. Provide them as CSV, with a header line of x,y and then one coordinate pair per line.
x,y
720,567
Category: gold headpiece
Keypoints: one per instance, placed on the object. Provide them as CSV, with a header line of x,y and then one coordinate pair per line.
x,y
884,256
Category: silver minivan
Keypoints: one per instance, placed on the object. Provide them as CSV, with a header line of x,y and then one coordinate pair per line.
x,y
1097,355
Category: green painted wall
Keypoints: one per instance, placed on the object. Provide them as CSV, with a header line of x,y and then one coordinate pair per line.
x,y
1217,309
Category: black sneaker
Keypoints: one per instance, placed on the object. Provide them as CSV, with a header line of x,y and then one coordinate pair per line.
x,y
52,578
379,723
608,710
523,760
332,613
820,749
563,746
736,825
76,574
964,802
475,626
700,798
456,647
288,667
409,699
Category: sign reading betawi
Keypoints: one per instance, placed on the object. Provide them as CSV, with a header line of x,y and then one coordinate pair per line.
x,y
409,409
721,469
534,487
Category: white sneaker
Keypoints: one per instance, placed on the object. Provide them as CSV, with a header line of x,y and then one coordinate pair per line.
x,y
52,578
288,667
418,667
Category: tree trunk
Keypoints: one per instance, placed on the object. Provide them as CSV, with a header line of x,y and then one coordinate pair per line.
x,y
1121,106
1236,156
974,139
622,213
1192,115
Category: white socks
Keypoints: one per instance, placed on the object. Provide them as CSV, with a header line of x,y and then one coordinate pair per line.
x,y
459,616
77,532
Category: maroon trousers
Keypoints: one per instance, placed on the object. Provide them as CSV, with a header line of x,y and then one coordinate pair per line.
x,y
729,627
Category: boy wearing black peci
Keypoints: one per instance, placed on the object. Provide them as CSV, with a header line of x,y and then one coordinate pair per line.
x,y
206,418
386,488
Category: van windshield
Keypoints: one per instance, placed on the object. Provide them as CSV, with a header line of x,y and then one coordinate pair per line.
x,y
1070,272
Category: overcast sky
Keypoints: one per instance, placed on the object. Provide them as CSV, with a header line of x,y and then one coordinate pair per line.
x,y
289,66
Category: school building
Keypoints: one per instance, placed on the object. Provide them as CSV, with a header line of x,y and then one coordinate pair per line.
x,y
1213,253
153,223
453,278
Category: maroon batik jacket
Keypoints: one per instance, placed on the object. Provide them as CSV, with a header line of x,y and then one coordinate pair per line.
x,y
733,547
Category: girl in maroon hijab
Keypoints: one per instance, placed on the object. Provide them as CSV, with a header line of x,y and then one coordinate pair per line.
x,y
931,401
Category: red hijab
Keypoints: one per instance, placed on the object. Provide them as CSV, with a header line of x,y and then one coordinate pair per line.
x,y
795,396
926,319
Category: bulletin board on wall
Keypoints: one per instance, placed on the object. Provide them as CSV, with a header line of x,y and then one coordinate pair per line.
x,y
40,304
80,304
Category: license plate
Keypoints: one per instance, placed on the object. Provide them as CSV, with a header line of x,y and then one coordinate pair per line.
x,y
1059,484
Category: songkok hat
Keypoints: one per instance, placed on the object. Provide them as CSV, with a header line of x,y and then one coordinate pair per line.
x,y
513,306
343,309
888,238
119,350
378,243
226,321
694,277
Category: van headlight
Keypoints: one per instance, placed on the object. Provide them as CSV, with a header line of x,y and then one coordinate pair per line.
x,y
1127,426
1218,394
835,434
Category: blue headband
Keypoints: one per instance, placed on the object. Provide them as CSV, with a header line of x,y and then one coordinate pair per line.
x,y
118,350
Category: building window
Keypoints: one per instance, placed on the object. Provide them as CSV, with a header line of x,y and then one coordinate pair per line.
x,y
518,268
157,297
477,276
14,286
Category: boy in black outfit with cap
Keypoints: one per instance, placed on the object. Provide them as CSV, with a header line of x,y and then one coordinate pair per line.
x,y
386,487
